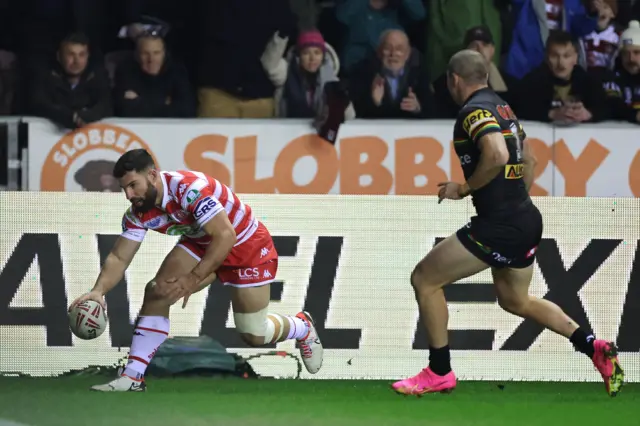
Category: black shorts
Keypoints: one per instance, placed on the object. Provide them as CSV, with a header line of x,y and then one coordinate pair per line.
x,y
509,242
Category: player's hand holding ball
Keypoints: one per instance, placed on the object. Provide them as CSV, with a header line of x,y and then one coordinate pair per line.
x,y
88,316
96,296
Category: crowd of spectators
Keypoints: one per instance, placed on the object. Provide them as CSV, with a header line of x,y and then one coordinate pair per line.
x,y
75,62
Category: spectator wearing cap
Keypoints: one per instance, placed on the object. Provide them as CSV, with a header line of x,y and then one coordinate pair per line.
x,y
301,76
366,20
150,83
480,39
71,91
559,90
601,45
624,87
395,83
536,18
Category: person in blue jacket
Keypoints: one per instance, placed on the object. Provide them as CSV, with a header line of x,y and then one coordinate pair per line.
x,y
533,22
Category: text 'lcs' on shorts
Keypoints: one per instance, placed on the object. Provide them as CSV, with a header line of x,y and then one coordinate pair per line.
x,y
251,264
507,242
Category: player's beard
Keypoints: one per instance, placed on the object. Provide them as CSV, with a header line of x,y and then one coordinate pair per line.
x,y
149,200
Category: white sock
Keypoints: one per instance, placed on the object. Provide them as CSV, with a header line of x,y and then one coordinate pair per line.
x,y
298,329
148,335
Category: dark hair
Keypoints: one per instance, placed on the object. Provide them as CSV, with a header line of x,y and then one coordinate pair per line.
x,y
136,160
149,36
75,38
561,38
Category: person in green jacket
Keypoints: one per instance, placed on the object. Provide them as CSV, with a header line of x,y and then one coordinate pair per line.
x,y
447,23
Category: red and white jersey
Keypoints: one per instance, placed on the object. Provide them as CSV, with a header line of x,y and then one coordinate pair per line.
x,y
601,48
190,200
554,9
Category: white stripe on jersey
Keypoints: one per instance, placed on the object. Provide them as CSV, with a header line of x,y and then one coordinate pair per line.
x,y
173,183
247,233
197,185
217,191
230,200
235,209
239,215
200,175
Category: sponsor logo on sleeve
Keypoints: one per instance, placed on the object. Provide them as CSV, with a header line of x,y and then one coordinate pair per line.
x,y
205,206
192,196
476,119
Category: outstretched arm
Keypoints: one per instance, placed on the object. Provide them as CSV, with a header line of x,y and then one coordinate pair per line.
x,y
112,271
115,264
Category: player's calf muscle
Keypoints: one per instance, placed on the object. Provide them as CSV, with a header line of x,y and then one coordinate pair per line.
x,y
154,304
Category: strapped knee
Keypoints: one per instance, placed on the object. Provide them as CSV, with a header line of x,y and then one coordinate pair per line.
x,y
255,324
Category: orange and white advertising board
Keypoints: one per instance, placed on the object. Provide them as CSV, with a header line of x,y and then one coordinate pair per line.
x,y
285,156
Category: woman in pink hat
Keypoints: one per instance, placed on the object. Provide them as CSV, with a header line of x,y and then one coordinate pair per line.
x,y
300,76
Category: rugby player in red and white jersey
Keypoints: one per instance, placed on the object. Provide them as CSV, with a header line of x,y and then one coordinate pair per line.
x,y
220,237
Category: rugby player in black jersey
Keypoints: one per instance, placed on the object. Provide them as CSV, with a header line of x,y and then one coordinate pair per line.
x,y
504,235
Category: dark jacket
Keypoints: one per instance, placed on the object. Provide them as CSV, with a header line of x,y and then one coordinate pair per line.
x,y
526,51
415,76
52,96
171,84
534,97
234,35
445,105
623,91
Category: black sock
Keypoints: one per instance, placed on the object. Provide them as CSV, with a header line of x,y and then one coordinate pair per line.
x,y
583,342
440,360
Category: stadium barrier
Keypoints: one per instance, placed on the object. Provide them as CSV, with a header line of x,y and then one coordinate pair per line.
x,y
10,153
370,157
347,259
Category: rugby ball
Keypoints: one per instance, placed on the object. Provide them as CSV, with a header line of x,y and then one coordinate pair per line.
x,y
87,320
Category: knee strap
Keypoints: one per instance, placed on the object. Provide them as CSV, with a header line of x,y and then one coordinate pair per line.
x,y
255,323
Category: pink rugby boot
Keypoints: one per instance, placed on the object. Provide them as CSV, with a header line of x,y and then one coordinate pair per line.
x,y
605,359
426,382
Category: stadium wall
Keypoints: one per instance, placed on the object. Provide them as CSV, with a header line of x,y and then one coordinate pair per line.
x,y
347,259
405,157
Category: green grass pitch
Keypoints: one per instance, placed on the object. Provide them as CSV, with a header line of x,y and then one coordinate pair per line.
x,y
266,402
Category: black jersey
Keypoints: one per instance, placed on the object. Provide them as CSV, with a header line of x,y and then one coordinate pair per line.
x,y
483,113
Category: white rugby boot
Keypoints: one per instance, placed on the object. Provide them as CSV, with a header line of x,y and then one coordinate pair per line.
x,y
122,384
310,346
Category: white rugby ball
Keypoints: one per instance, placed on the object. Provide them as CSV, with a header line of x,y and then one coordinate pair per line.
x,y
87,320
